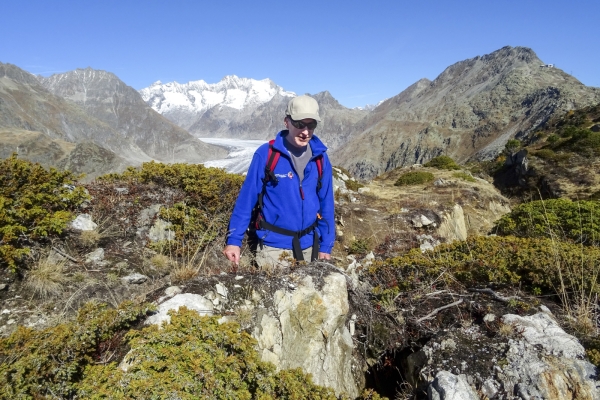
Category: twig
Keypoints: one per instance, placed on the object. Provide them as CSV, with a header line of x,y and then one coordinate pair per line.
x,y
437,310
62,253
495,295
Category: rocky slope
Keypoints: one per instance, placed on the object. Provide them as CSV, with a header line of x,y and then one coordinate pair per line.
x,y
468,112
105,97
97,112
243,108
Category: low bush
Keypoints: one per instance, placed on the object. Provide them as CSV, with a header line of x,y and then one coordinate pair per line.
x,y
50,363
442,162
577,221
528,262
353,185
203,215
360,246
35,203
196,357
414,178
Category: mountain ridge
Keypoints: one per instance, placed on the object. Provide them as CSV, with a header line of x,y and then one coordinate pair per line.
x,y
468,112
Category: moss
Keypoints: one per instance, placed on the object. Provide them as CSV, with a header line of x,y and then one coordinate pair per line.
x,y
414,178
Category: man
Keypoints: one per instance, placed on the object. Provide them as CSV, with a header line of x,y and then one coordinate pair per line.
x,y
291,207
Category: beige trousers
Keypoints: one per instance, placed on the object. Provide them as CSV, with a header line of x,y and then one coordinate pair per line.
x,y
270,258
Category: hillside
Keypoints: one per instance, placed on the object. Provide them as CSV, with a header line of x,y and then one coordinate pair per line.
x,y
468,112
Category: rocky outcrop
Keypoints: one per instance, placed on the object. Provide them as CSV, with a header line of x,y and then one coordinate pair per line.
x,y
307,329
537,359
298,322
468,112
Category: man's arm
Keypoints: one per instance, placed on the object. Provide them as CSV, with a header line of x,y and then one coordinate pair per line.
x,y
327,223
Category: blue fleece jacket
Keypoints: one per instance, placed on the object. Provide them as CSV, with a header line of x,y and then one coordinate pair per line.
x,y
283,205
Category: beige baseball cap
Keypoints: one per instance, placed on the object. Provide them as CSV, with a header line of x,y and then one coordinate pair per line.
x,y
302,107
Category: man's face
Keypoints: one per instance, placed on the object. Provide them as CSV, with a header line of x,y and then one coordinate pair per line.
x,y
299,137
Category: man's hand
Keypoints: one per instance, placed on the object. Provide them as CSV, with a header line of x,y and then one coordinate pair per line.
x,y
232,253
324,256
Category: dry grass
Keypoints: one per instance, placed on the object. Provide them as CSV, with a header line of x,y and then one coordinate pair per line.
x,y
183,273
161,262
90,238
46,279
506,330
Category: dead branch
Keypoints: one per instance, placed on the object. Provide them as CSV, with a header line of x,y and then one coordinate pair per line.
x,y
437,310
495,295
62,253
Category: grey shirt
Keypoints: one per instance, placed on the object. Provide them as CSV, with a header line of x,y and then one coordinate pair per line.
x,y
300,158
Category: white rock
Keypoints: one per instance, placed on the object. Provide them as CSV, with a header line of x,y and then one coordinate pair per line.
x,y
425,221
160,231
364,190
221,290
293,338
172,291
542,329
489,318
135,278
6,311
84,222
10,321
192,301
490,388
447,386
95,256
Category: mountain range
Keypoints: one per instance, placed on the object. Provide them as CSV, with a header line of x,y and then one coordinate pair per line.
x,y
468,112
90,121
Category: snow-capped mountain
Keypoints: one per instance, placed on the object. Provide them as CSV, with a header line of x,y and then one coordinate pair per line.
x,y
242,108
186,103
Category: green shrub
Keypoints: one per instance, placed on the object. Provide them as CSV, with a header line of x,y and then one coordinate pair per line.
x,y
512,146
210,194
553,138
577,221
414,178
35,203
196,357
49,363
464,176
442,162
528,262
360,246
353,185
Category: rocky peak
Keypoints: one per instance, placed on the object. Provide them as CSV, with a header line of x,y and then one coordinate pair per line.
x,y
17,74
468,112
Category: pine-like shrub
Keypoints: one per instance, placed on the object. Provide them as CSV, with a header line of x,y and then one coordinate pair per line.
x,y
195,357
35,203
577,221
49,363
442,162
210,194
414,178
530,262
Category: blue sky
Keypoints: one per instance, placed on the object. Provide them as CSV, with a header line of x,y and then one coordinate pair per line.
x,y
360,51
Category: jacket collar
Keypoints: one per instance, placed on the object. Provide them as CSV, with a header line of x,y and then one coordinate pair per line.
x,y
315,143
